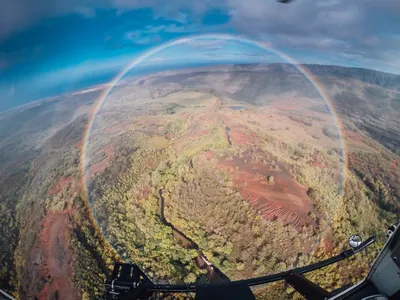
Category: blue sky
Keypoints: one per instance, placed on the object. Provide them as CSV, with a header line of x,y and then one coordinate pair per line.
x,y
54,46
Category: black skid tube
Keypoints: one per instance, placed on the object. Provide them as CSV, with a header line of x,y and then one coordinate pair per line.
x,y
192,287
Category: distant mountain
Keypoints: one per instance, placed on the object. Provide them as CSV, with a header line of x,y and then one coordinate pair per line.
x,y
386,80
382,79
369,99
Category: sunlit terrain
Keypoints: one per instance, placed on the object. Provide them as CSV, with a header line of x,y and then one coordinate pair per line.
x,y
247,166
189,149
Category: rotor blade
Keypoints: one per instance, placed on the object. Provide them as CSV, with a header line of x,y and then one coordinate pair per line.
x,y
285,1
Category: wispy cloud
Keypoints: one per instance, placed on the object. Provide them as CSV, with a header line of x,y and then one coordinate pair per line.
x,y
141,37
171,28
204,44
152,34
339,27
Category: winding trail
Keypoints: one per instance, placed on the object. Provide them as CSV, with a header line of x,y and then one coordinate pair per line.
x,y
213,273
227,131
187,241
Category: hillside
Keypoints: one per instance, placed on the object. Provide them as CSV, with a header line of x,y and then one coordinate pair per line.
x,y
245,161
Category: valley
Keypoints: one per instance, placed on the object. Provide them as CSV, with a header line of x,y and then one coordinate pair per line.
x,y
245,167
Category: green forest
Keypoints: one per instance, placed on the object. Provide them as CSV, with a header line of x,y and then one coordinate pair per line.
x,y
157,182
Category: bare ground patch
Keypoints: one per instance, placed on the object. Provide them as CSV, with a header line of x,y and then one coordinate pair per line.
x,y
270,189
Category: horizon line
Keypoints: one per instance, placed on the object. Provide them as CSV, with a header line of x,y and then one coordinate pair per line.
x,y
101,84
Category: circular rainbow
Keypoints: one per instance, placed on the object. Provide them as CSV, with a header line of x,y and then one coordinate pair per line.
x,y
225,37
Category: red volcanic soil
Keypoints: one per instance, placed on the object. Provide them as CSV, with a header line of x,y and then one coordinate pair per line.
x,y
118,127
239,137
327,241
101,166
209,154
143,193
318,164
199,126
394,164
354,136
79,144
62,184
354,160
237,132
150,163
283,199
56,265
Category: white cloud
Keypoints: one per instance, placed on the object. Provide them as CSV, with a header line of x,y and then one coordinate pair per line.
x,y
206,44
140,37
331,25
